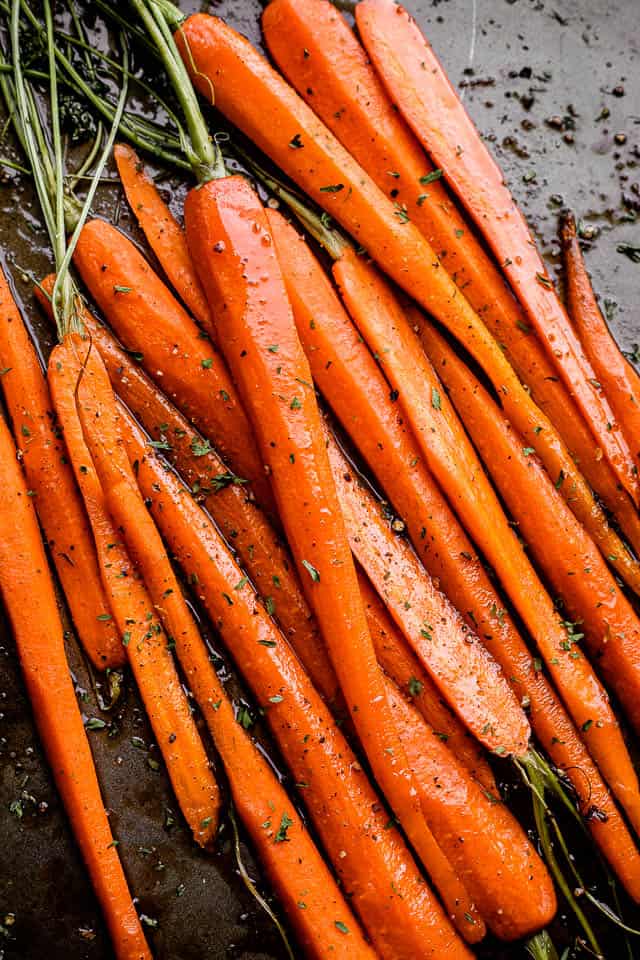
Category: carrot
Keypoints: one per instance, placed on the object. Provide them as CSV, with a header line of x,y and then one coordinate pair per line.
x,y
219,58
229,502
164,233
30,601
455,465
319,54
50,478
133,611
561,546
428,102
325,905
462,817
470,680
179,524
387,892
148,319
617,377
397,660
367,407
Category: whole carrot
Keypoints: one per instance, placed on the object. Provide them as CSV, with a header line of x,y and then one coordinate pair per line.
x,y
367,406
617,377
387,892
149,321
564,551
164,233
319,54
225,496
428,102
29,597
193,542
221,59
300,872
455,465
50,478
133,611
398,662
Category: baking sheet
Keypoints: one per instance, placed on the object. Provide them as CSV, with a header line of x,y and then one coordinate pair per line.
x,y
523,63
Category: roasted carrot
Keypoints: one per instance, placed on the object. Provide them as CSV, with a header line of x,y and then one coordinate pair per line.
x,y
149,321
367,407
617,377
30,601
460,815
229,502
456,663
192,538
133,611
388,894
428,102
455,465
471,681
319,54
566,554
164,233
219,58
301,872
50,478
397,660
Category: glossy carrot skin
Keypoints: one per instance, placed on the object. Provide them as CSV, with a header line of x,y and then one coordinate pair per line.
x,y
50,478
300,872
462,818
561,546
388,893
147,318
347,375
28,593
456,466
320,56
400,663
163,232
133,612
565,553
472,682
618,378
428,102
363,400
241,522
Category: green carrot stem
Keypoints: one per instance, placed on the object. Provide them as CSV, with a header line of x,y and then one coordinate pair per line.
x,y
541,947
202,152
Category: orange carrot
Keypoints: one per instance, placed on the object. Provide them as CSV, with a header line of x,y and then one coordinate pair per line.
x,y
462,817
164,233
617,377
219,58
319,54
561,546
387,892
301,871
230,503
428,102
133,611
50,479
398,662
29,597
455,465
470,680
192,539
149,320
367,407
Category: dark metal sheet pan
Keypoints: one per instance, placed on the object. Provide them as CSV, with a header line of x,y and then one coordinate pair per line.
x,y
523,63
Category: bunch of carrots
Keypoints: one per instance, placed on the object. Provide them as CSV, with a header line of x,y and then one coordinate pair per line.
x,y
242,452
